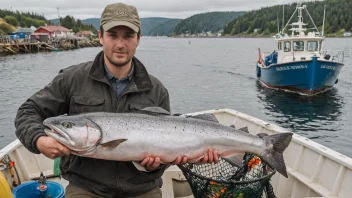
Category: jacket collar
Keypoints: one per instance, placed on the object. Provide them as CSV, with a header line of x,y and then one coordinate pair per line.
x,y
141,76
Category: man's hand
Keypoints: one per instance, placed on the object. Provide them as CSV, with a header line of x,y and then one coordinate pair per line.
x,y
52,149
150,163
210,157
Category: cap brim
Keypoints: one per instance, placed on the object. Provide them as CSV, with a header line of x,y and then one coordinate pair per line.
x,y
112,24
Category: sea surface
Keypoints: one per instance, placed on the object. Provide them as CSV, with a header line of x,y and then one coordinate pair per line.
x,y
201,74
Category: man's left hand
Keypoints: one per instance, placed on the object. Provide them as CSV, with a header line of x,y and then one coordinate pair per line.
x,y
210,157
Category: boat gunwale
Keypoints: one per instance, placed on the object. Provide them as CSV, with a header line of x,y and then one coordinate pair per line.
x,y
300,61
315,146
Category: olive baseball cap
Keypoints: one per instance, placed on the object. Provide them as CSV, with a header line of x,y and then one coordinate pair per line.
x,y
117,14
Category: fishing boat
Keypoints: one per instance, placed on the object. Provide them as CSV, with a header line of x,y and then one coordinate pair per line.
x,y
313,170
300,64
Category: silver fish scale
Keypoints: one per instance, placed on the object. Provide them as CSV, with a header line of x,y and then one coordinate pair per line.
x,y
167,137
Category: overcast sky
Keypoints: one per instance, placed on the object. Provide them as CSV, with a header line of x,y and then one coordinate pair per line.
x,y
83,9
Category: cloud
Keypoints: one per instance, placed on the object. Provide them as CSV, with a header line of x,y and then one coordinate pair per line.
x,y
147,8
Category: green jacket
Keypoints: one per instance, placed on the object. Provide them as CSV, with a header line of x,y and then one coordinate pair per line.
x,y
85,88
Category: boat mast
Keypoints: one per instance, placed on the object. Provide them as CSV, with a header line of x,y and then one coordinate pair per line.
x,y
289,20
278,24
300,23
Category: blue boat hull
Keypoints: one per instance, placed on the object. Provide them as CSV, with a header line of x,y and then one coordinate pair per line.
x,y
306,77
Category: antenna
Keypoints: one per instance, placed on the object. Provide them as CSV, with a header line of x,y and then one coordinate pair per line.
x,y
58,15
283,17
322,31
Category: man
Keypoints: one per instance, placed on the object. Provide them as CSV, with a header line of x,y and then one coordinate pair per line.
x,y
115,81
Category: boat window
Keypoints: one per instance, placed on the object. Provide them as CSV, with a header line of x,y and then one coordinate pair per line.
x,y
312,46
279,45
320,45
287,46
298,46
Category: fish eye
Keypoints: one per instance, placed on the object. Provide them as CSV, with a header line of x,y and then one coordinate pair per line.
x,y
67,124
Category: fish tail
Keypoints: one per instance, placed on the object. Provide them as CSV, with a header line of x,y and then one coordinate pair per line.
x,y
275,146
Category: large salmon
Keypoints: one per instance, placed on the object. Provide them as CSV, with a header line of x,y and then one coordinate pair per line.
x,y
135,136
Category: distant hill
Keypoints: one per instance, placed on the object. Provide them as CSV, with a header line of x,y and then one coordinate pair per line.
x,y
54,21
94,21
164,29
150,26
159,26
91,21
211,21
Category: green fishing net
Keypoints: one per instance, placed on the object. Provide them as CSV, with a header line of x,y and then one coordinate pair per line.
x,y
223,180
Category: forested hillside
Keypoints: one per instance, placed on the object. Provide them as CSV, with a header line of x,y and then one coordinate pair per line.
x,y
163,29
264,21
23,19
211,21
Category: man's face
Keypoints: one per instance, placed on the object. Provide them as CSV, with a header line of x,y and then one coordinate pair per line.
x,y
119,44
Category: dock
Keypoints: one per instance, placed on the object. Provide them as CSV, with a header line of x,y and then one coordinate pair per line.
x,y
11,47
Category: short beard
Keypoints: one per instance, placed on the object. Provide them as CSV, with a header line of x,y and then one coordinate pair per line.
x,y
118,64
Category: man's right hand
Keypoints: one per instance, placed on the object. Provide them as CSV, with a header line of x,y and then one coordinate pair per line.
x,y
49,147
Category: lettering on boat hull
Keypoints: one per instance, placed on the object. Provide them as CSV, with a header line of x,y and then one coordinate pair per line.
x,y
285,68
328,67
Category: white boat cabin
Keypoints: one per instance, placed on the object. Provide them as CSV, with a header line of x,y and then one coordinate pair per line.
x,y
298,48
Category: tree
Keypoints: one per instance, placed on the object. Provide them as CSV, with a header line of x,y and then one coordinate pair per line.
x,y
266,32
6,28
348,25
78,23
68,22
250,29
11,20
342,24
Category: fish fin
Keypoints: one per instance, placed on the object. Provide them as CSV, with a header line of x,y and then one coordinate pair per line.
x,y
113,144
275,146
244,129
207,117
234,160
262,135
157,110
233,126
139,167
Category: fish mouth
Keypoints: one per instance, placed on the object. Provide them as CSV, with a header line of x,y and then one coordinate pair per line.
x,y
56,132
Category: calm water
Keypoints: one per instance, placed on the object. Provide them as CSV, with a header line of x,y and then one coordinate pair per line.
x,y
201,74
